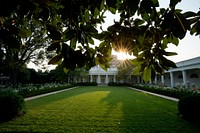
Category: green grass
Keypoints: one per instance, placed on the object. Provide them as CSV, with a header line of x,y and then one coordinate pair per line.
x,y
100,109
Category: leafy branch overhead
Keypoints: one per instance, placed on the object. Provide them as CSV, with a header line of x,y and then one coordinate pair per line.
x,y
72,27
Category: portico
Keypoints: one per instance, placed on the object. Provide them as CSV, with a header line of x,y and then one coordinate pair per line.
x,y
97,74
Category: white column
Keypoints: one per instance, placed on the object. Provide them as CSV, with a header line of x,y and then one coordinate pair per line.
x,y
150,81
114,78
184,77
171,79
106,79
138,79
162,79
98,79
155,80
91,78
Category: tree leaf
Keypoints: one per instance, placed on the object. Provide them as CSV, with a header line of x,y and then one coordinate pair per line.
x,y
23,33
195,28
174,40
73,42
147,74
87,15
53,46
65,70
90,40
96,12
55,59
169,53
133,6
189,14
173,3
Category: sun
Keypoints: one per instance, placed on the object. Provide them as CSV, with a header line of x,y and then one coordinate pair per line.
x,y
121,55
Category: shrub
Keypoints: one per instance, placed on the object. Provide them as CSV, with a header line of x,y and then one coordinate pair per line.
x,y
117,84
11,105
172,92
86,84
189,107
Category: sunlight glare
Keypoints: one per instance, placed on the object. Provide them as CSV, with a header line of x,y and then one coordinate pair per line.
x,y
122,55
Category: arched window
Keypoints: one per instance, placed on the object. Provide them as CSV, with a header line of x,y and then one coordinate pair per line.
x,y
194,75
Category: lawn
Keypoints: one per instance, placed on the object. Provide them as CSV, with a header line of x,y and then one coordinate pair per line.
x,y
100,109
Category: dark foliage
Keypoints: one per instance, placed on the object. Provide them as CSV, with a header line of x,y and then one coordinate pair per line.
x,y
86,84
11,105
189,108
117,84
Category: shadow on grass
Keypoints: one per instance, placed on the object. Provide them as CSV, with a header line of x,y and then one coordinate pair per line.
x,y
138,112
146,113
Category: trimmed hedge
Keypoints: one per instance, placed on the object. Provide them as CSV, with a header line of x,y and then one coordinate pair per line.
x,y
11,105
189,108
86,84
117,84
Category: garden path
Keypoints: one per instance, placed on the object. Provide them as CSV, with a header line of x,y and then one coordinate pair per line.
x,y
42,95
163,96
166,97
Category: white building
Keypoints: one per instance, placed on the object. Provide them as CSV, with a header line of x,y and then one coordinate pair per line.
x,y
97,74
187,73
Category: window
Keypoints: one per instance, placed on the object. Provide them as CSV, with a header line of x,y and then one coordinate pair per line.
x,y
180,76
194,75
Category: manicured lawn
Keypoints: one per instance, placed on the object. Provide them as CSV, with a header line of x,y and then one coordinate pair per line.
x,y
100,109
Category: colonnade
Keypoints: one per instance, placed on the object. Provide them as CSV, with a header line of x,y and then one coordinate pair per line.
x,y
172,77
102,79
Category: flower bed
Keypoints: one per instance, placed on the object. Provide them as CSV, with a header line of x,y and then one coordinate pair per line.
x,y
168,91
36,89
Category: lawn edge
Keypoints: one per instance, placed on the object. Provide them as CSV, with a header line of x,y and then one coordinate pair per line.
x,y
155,94
50,93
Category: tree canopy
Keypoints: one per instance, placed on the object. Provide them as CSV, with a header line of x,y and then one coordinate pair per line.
x,y
143,28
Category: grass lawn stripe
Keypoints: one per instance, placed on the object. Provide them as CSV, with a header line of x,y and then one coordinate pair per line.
x,y
100,109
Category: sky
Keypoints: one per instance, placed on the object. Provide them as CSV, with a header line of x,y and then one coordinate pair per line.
x,y
189,47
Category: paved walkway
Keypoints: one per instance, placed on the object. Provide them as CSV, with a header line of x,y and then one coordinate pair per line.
x,y
163,96
42,95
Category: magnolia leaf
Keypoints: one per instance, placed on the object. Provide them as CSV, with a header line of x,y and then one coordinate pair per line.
x,y
195,28
132,5
147,74
137,69
169,53
23,33
73,42
173,3
174,40
96,12
65,70
55,59
102,5
138,21
53,46
189,14
90,40
87,15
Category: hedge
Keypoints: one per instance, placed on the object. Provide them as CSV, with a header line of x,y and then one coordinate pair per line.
x,y
189,108
11,105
